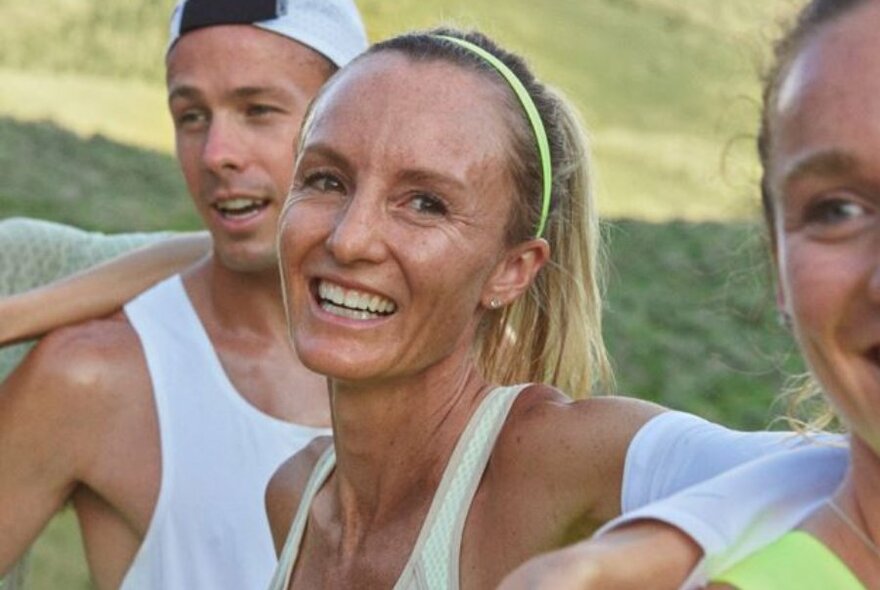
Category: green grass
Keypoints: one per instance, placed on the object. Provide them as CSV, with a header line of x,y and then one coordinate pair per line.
x,y
125,110
664,86
690,320
668,90
94,183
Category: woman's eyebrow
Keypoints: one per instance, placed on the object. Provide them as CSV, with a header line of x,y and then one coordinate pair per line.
x,y
826,163
326,151
426,176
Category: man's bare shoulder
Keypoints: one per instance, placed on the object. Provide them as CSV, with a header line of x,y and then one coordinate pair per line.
x,y
287,486
76,363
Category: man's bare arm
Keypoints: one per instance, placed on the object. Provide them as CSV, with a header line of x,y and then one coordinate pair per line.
x,y
97,291
51,422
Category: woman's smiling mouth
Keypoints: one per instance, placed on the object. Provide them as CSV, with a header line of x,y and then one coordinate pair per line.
x,y
352,303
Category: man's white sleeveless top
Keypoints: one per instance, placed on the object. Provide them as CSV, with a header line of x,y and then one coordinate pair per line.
x,y
209,527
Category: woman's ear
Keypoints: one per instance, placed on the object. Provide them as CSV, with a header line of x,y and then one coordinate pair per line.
x,y
515,272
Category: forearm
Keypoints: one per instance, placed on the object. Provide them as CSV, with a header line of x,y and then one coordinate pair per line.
x,y
664,556
97,291
740,511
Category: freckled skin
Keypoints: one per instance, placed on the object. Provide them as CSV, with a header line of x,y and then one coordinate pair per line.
x,y
825,170
402,190
369,232
829,218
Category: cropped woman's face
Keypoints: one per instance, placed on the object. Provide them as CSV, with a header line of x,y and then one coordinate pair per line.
x,y
825,174
397,216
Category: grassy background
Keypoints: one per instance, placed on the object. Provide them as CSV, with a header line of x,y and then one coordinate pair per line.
x,y
667,88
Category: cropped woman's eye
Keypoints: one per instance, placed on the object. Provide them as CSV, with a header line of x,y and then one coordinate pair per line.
x,y
428,203
833,211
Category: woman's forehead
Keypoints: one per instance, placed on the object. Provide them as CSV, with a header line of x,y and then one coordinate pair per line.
x,y
828,96
430,100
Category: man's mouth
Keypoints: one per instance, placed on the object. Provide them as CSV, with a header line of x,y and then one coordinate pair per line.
x,y
240,207
353,304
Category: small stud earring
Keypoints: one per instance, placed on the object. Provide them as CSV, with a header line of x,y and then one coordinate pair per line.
x,y
494,303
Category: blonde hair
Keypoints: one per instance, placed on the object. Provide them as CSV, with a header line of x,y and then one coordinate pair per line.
x,y
807,410
552,334
556,326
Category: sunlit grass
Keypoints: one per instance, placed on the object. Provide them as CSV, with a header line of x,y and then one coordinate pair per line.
x,y
123,110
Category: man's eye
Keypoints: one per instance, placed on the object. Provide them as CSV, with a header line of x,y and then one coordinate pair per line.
x,y
190,118
260,110
427,203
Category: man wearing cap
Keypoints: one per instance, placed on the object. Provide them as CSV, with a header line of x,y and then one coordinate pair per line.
x,y
163,424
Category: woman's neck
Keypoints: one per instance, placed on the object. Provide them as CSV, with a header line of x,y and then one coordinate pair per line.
x,y
393,439
854,535
862,497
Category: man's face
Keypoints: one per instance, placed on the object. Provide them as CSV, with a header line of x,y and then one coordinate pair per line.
x,y
237,96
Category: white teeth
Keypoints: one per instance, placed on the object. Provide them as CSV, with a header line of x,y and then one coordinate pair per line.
x,y
239,207
234,204
352,303
355,314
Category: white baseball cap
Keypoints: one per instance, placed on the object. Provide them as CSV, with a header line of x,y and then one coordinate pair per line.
x,y
333,28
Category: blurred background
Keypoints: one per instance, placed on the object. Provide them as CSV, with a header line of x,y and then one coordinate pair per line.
x,y
669,90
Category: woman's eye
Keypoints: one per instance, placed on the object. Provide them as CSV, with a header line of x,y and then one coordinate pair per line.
x,y
426,203
324,182
834,211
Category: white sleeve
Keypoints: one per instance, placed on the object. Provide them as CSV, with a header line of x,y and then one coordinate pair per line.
x,y
739,511
675,450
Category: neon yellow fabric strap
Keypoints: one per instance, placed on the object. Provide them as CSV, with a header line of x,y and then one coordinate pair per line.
x,y
534,118
797,561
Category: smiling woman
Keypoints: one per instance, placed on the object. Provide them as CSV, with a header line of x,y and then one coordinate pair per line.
x,y
418,277
439,253
821,190
459,146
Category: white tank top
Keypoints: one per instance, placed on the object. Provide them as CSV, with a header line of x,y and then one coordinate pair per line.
x,y
209,527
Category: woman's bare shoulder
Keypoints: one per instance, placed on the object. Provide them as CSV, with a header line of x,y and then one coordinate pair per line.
x,y
286,487
579,445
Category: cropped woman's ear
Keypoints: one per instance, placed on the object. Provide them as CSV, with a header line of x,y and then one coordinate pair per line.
x,y
515,272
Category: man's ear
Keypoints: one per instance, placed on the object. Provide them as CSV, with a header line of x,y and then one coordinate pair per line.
x,y
515,272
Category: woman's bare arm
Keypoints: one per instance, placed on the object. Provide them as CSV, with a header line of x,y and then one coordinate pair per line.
x,y
97,291
643,554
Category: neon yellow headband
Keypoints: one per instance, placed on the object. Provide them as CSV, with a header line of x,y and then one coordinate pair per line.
x,y
532,113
